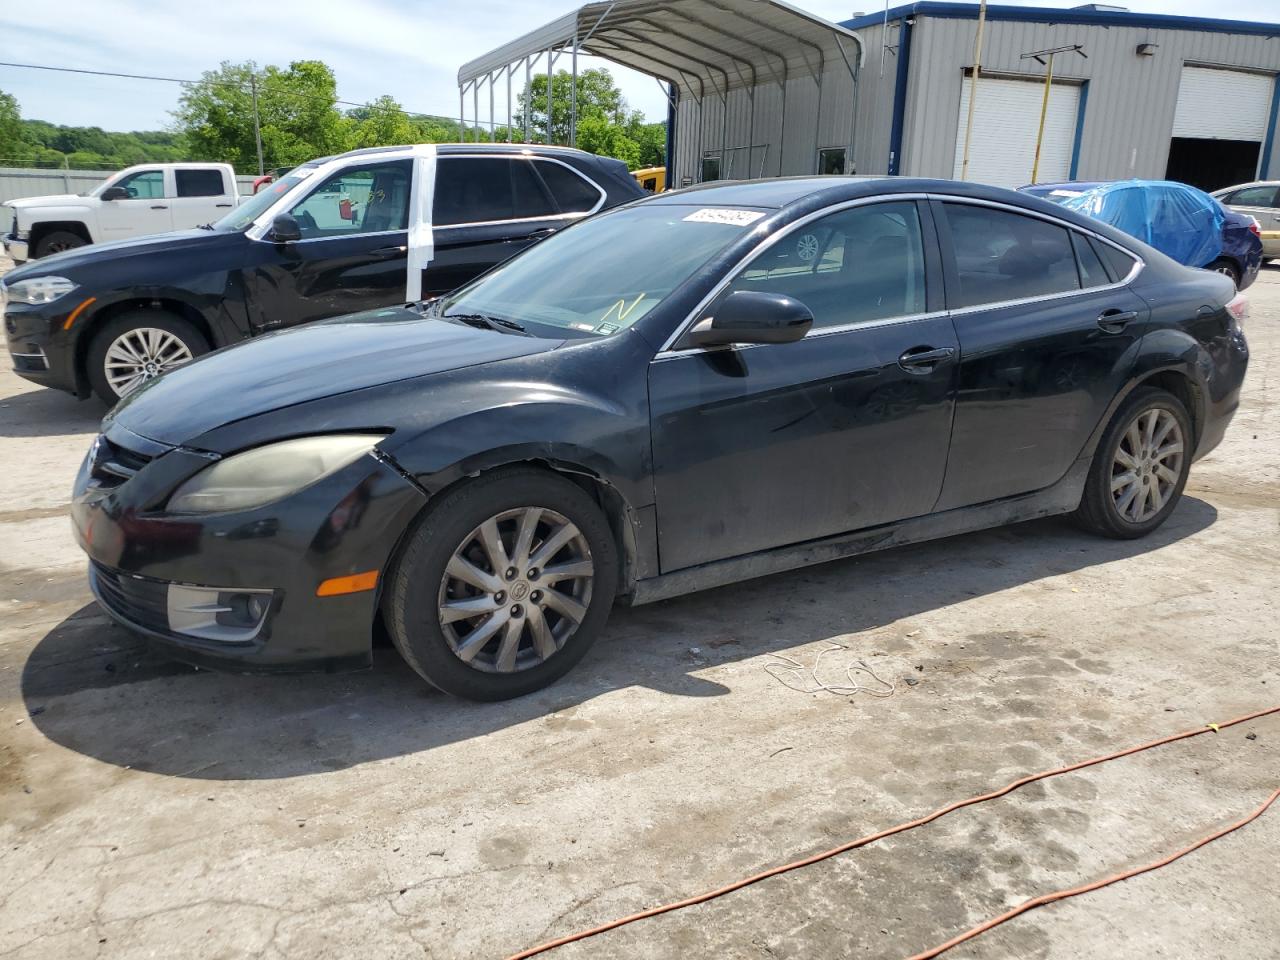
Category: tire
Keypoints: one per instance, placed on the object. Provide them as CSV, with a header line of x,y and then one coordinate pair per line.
x,y
172,340
56,241
422,585
1227,268
1104,508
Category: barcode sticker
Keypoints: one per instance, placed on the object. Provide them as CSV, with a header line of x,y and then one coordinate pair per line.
x,y
737,218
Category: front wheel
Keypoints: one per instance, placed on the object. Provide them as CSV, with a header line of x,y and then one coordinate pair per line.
x,y
503,585
1140,467
58,241
137,347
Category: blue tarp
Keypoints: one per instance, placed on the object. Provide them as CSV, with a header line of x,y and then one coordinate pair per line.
x,y
1179,221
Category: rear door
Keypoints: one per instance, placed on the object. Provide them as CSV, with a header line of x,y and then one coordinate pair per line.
x,y
1260,203
761,446
1046,332
353,251
200,195
146,210
485,209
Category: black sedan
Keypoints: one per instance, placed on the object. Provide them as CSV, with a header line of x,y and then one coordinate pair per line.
x,y
697,388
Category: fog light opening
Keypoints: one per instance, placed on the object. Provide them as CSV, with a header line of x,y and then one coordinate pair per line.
x,y
212,613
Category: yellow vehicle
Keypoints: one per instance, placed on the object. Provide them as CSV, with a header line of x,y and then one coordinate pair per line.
x,y
653,179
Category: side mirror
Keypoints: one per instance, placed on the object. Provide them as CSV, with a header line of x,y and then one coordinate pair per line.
x,y
285,229
114,193
752,316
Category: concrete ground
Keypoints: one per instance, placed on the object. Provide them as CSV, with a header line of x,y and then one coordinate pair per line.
x,y
150,810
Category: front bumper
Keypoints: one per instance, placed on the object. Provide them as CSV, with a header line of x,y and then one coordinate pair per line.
x,y
347,523
41,349
16,249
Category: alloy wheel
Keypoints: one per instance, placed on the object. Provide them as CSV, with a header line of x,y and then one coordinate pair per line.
x,y
142,354
61,246
516,590
1147,465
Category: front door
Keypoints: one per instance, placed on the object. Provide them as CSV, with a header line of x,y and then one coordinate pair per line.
x,y
145,211
485,210
1047,334
762,446
353,254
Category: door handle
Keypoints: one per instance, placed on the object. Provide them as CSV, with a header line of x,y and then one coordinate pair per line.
x,y
386,253
1113,321
537,234
159,206
922,360
222,204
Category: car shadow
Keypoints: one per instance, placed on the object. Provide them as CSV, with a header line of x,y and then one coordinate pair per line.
x,y
100,691
49,413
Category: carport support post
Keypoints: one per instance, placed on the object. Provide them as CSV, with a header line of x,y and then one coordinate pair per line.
x,y
550,63
462,113
475,105
508,103
528,96
1044,110
493,130
573,97
257,126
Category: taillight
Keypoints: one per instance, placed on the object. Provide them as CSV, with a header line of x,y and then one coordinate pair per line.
x,y
1254,227
1238,307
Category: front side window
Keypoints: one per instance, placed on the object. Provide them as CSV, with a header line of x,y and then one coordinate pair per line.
x,y
1007,256
144,185
861,264
601,275
356,200
199,183
573,194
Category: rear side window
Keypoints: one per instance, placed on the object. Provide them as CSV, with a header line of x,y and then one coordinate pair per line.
x,y
1252,197
1092,272
199,183
1117,262
1007,256
485,189
573,193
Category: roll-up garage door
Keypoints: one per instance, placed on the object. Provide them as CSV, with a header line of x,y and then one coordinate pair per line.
x,y
1006,118
1222,104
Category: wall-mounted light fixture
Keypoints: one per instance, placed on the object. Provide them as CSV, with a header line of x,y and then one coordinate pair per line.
x,y
1146,49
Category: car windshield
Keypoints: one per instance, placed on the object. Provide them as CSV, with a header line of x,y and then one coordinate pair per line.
x,y
242,216
603,274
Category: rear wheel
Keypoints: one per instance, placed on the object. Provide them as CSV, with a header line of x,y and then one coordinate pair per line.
x,y
1228,269
137,347
1140,467
503,585
56,241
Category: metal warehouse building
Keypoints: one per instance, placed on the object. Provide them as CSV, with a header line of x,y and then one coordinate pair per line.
x,y
760,88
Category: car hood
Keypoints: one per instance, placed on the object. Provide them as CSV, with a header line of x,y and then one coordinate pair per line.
x,y
54,200
96,253
309,363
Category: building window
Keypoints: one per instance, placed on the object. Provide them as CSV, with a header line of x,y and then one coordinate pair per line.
x,y
710,168
831,161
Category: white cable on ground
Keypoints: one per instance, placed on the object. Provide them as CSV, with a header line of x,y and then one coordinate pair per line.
x,y
789,671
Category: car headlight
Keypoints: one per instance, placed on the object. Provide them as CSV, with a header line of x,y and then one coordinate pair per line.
x,y
39,289
269,473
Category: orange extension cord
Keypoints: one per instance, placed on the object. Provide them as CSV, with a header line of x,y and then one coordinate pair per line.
x,y
929,818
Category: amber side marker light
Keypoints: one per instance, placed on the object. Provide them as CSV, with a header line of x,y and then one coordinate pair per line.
x,y
74,315
356,583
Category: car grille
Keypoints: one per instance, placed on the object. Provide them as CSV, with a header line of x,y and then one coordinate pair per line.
x,y
114,464
144,602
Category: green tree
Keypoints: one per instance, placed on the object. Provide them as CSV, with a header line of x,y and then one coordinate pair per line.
x,y
13,145
606,125
298,117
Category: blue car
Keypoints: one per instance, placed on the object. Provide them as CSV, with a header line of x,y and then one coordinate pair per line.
x,y
1178,220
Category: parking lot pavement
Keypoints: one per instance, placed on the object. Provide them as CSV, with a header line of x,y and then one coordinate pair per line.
x,y
147,809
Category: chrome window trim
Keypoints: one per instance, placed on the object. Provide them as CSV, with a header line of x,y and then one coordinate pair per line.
x,y
342,236
668,348
532,158
1139,264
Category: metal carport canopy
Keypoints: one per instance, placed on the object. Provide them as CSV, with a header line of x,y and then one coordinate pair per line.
x,y
703,47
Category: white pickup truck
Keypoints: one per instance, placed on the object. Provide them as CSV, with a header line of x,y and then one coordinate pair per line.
x,y
149,198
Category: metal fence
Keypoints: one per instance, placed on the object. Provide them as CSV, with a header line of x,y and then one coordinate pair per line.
x,y
18,182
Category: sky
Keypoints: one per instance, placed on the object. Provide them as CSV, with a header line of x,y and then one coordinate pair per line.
x,y
410,49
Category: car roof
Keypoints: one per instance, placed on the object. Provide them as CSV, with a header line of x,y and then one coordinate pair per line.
x,y
1242,186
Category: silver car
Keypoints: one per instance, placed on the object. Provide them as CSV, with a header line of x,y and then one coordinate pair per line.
x,y
1260,200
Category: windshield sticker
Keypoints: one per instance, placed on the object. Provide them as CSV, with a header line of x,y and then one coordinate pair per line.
x,y
623,310
737,218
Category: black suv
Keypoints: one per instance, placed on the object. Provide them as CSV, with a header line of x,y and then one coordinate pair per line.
x,y
370,228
